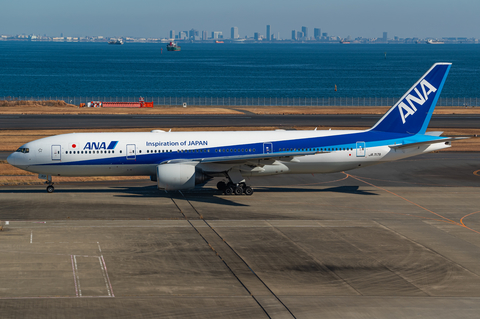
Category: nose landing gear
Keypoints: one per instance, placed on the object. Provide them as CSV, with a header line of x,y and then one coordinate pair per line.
x,y
50,188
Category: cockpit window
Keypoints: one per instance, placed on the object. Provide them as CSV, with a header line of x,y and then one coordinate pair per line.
x,y
23,150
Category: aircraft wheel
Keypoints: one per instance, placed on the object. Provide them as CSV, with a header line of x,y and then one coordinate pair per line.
x,y
248,190
50,189
238,190
228,190
221,186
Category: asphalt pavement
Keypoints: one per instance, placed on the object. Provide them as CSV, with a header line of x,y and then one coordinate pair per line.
x,y
37,122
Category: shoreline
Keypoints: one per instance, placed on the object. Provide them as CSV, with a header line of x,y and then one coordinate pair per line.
x,y
32,108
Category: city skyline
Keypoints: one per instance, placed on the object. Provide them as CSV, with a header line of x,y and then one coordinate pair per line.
x,y
423,18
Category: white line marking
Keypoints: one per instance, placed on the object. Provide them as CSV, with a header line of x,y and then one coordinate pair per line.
x,y
74,277
108,279
31,236
78,278
99,249
104,276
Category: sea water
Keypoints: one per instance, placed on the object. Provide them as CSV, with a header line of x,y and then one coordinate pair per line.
x,y
283,70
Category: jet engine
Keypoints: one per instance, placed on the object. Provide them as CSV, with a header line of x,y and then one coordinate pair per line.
x,y
179,176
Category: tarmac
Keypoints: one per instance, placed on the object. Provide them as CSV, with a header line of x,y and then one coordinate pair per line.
x,y
397,240
179,121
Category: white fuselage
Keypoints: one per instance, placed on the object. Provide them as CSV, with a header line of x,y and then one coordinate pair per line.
x,y
121,154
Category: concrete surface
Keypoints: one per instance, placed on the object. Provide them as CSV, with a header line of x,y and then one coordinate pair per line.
x,y
397,240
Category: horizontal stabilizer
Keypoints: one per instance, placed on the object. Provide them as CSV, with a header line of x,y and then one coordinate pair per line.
x,y
448,139
434,133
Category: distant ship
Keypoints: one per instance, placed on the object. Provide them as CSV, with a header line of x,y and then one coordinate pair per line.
x,y
435,42
173,47
115,41
219,41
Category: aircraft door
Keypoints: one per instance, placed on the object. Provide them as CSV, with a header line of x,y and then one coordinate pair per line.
x,y
361,149
131,152
267,148
56,152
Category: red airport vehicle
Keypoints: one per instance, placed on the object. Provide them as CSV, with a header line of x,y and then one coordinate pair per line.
x,y
141,103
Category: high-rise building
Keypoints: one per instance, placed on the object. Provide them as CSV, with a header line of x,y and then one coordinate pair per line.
x,y
384,36
317,33
294,34
234,33
256,36
193,33
204,35
268,33
172,34
182,35
217,35
305,32
300,35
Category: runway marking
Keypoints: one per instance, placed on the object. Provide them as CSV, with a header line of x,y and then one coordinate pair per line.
x,y
461,221
31,236
77,282
105,276
444,219
74,276
103,267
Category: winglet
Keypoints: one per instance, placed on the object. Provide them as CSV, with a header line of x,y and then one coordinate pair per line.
x,y
412,113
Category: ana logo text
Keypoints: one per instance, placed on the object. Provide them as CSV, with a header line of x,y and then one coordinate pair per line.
x,y
100,145
410,109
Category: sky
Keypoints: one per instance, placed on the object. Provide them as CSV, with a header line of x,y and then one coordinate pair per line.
x,y
154,18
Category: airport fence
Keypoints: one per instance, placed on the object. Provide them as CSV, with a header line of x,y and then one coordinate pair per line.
x,y
244,101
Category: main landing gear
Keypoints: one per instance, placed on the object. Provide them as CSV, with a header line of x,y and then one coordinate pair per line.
x,y
237,189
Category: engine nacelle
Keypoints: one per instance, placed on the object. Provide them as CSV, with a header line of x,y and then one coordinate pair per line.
x,y
178,176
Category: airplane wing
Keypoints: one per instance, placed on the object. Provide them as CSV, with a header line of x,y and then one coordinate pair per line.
x,y
400,146
241,159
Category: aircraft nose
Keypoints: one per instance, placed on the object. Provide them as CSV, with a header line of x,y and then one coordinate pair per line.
x,y
11,159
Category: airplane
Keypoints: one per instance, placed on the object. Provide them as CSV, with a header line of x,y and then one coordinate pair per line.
x,y
182,160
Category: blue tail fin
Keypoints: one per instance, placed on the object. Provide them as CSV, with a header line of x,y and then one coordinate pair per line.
x,y
412,113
